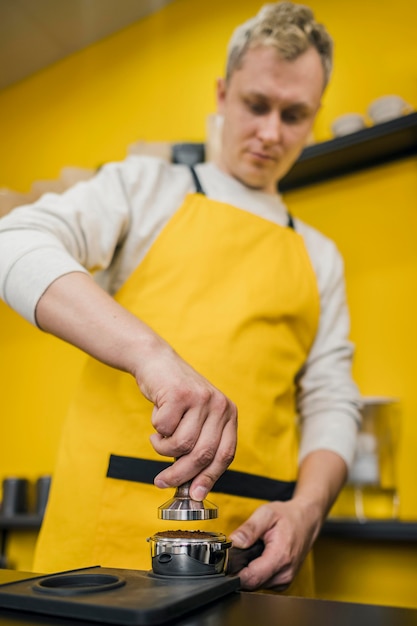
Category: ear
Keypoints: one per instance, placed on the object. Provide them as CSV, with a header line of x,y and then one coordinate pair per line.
x,y
220,95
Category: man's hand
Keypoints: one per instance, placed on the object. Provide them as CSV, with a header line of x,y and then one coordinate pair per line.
x,y
288,535
194,421
289,529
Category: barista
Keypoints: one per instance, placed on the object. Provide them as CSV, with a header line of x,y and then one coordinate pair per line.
x,y
194,292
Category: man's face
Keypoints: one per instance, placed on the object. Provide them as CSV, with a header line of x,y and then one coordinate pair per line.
x,y
269,106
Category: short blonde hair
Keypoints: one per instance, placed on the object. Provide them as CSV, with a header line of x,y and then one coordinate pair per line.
x,y
288,27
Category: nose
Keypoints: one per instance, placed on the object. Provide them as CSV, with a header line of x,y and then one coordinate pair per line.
x,y
270,128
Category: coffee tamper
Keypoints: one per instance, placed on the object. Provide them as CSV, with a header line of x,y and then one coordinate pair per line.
x,y
182,507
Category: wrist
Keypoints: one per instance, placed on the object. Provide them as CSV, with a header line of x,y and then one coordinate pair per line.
x,y
312,508
143,349
322,474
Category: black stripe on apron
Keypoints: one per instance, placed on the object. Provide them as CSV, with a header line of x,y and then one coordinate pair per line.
x,y
231,482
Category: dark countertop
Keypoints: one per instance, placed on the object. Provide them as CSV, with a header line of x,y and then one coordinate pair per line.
x,y
245,609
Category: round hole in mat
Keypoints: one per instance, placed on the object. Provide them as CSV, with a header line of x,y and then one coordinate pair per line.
x,y
75,584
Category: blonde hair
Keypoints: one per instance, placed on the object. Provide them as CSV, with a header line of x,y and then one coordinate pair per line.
x,y
290,28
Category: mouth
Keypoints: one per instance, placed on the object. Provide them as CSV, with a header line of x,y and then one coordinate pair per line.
x,y
262,157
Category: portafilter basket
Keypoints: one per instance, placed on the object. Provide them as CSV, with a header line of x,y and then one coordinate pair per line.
x,y
189,553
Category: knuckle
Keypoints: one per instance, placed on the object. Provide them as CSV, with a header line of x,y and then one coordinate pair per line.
x,y
164,423
281,582
164,430
230,412
179,396
226,456
287,566
225,407
286,578
207,480
185,446
253,581
193,396
161,427
155,420
206,456
221,403
206,395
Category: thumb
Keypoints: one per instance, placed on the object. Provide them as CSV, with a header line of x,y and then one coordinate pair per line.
x,y
253,529
244,536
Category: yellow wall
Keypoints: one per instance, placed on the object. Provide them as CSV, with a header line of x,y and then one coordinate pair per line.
x,y
155,81
372,216
370,572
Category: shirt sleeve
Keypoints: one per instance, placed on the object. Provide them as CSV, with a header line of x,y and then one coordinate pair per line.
x,y
77,231
103,226
328,400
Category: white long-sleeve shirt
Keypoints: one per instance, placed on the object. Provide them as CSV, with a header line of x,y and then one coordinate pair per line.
x,y
106,225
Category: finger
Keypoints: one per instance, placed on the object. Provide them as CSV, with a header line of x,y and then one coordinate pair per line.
x,y
208,459
224,455
282,579
273,584
182,470
166,418
268,571
174,404
254,575
199,435
185,436
256,526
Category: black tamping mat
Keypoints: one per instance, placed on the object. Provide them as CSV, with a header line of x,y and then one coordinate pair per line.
x,y
115,596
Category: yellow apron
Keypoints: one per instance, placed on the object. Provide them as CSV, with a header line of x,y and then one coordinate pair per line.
x,y
237,298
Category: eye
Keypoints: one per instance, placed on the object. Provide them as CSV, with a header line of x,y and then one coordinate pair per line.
x,y
257,107
294,116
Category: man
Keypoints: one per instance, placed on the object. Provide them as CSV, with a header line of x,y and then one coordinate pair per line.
x,y
210,280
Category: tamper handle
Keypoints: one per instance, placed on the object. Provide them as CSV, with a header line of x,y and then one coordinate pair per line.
x,y
182,507
241,557
183,491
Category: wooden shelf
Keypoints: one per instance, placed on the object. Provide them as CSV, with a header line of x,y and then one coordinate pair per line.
x,y
366,148
375,530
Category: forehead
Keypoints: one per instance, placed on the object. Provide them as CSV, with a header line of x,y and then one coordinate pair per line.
x,y
265,72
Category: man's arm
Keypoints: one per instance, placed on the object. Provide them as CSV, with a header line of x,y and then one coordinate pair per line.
x,y
192,419
289,529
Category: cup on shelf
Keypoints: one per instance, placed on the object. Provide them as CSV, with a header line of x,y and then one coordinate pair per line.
x,y
15,496
347,123
42,492
388,108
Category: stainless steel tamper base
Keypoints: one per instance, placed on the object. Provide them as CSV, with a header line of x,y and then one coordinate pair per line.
x,y
182,507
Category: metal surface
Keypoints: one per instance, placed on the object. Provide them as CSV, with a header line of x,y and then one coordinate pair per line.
x,y
182,508
189,553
